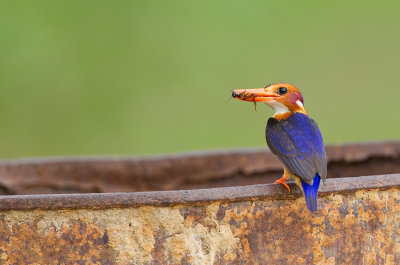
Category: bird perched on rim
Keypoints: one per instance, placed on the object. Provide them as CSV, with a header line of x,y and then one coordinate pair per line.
x,y
292,136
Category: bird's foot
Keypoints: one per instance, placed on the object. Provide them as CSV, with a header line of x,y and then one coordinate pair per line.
x,y
282,181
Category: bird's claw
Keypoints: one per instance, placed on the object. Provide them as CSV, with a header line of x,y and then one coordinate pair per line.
x,y
282,181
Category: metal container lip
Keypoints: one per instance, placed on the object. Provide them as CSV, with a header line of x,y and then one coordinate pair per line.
x,y
198,196
345,152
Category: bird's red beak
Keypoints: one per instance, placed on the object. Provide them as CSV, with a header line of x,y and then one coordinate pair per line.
x,y
254,95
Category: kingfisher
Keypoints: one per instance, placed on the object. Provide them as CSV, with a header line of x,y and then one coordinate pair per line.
x,y
292,136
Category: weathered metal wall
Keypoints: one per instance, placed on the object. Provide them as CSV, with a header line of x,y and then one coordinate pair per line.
x,y
357,222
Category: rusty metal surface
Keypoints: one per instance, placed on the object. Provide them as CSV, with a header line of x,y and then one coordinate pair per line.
x,y
358,223
184,171
358,220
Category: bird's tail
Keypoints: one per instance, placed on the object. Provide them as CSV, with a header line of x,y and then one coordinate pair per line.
x,y
311,192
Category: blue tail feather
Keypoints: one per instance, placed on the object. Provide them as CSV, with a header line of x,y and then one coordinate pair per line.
x,y
311,192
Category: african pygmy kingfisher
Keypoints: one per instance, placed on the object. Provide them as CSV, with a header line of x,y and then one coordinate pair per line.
x,y
292,136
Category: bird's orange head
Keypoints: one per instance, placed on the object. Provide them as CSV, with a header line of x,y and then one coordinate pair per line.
x,y
284,98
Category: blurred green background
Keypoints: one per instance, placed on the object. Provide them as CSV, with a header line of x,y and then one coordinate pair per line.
x,y
146,77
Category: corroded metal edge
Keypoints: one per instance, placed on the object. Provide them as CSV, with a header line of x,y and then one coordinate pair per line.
x,y
171,198
185,171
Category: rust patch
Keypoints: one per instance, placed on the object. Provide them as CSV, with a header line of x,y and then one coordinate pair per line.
x,y
75,241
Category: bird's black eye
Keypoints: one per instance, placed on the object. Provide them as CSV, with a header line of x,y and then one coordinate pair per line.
x,y
282,90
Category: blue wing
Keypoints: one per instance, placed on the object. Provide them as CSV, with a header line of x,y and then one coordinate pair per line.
x,y
298,143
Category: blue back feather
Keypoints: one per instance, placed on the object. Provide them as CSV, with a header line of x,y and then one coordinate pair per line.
x,y
298,143
311,193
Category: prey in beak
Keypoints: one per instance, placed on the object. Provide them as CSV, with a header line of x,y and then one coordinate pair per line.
x,y
254,95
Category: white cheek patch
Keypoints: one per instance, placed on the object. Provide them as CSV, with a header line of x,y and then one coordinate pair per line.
x,y
298,102
278,107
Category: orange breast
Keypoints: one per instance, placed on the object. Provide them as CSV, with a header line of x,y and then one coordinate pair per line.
x,y
282,116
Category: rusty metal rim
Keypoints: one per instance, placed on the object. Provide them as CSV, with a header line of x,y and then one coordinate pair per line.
x,y
171,198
